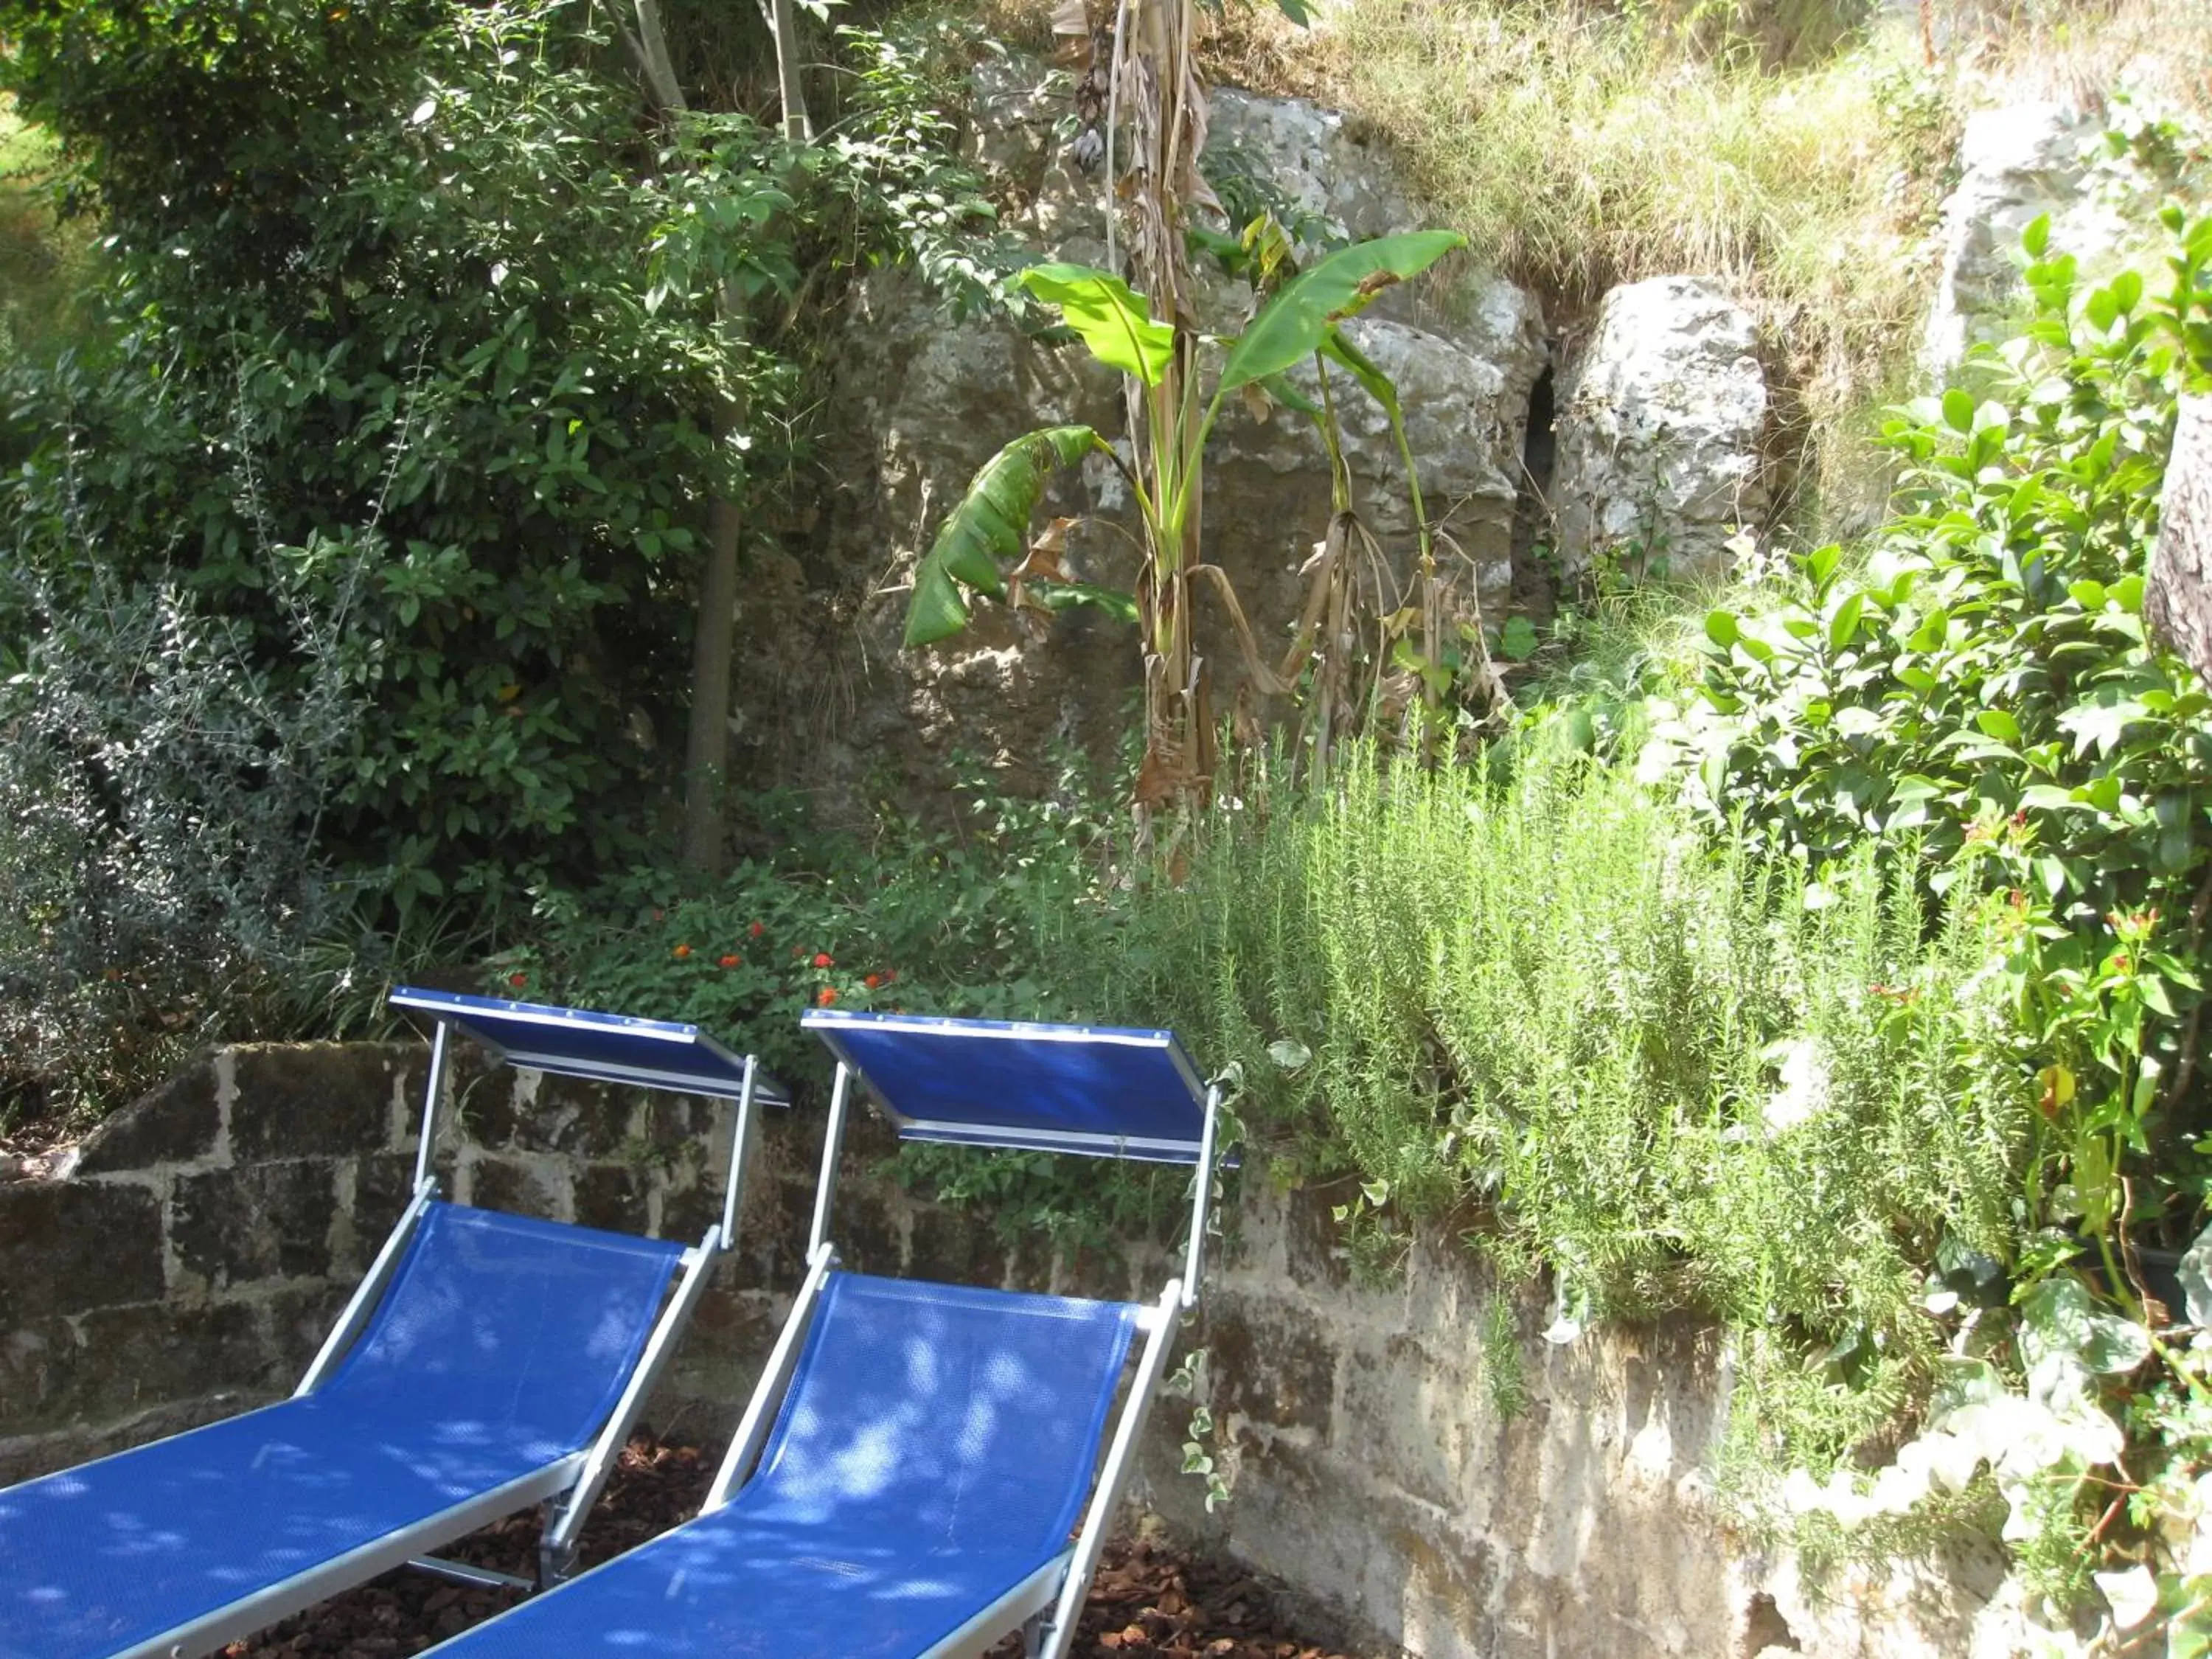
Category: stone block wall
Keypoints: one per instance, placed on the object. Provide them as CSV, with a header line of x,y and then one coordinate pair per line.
x,y
1406,1453
189,1260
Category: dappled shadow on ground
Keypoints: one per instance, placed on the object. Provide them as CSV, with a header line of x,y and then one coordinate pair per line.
x,y
1146,1600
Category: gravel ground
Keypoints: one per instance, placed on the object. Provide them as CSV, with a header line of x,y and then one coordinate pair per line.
x,y
1145,1600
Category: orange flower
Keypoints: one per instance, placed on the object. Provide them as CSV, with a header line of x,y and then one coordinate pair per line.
x,y
681,952
822,959
872,981
729,962
826,995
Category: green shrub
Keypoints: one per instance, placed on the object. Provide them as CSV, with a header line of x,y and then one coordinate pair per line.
x,y
992,916
1542,1007
417,277
160,794
1981,699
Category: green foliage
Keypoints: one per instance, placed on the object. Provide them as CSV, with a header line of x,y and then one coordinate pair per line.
x,y
160,791
1298,322
989,524
43,262
984,918
1981,696
417,282
1665,1079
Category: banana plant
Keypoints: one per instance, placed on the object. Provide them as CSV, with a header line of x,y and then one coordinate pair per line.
x,y
983,546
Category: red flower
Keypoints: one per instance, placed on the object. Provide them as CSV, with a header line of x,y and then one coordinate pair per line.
x,y
872,981
518,981
822,959
756,930
681,952
826,995
729,962
890,976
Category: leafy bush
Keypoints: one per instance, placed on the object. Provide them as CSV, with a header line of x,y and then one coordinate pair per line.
x,y
160,794
420,280
1977,704
1981,696
979,918
1656,1073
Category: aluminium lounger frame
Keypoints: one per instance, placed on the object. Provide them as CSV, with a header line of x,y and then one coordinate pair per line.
x,y
1045,1605
504,1030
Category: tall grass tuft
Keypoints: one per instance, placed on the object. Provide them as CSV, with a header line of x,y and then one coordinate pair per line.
x,y
1540,1007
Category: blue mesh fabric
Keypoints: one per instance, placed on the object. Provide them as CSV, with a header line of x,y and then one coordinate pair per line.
x,y
611,1048
935,1450
985,1075
500,1347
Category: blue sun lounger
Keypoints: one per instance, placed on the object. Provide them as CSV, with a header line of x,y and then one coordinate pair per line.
x,y
487,1363
925,1451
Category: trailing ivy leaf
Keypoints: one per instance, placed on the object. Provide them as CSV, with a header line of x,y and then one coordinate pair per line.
x,y
1116,322
2059,1317
990,525
1298,321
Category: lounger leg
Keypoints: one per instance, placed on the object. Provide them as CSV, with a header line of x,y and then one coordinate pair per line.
x,y
1060,1634
557,1553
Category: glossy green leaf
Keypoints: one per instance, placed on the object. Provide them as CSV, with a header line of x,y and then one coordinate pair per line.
x,y
1112,319
988,527
1296,322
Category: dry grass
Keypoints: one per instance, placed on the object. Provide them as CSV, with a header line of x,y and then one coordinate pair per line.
x,y
1764,143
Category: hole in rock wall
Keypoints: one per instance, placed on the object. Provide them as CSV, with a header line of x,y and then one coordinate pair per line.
x,y
1535,570
1765,1631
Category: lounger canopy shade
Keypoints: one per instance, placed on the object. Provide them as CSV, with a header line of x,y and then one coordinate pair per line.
x,y
487,1372
601,1047
1099,1090
934,1450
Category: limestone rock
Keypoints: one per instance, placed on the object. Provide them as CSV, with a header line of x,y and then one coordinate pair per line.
x,y
2177,600
923,400
2017,164
1324,172
1659,427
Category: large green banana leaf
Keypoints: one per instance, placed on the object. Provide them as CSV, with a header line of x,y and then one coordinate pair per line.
x,y
990,525
1298,321
1114,320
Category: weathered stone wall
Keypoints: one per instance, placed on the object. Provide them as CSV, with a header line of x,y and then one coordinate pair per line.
x,y
191,1259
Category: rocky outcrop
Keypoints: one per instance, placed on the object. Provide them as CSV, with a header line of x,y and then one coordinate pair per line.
x,y
1660,421
2179,598
923,400
2017,164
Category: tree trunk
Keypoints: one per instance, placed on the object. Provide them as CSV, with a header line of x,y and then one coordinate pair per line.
x,y
706,748
784,22
2177,600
